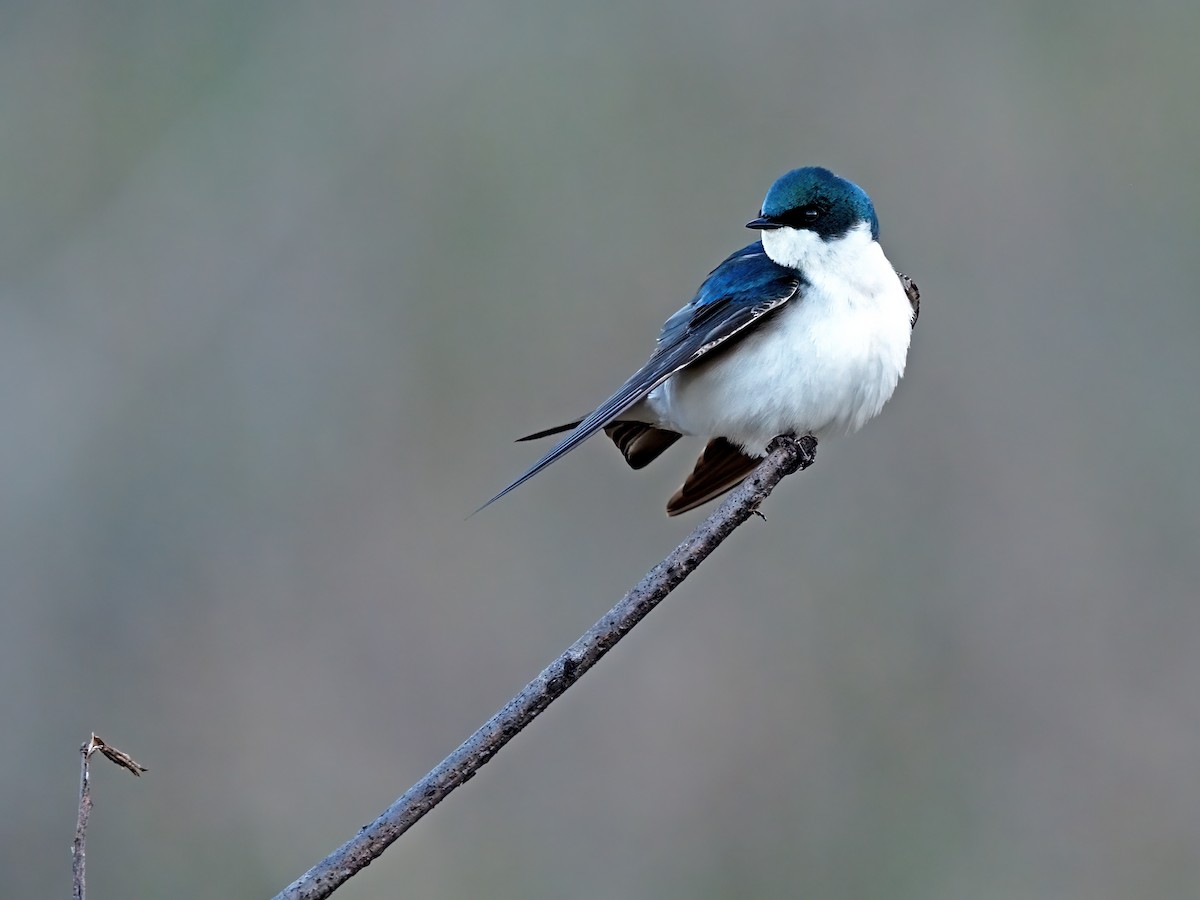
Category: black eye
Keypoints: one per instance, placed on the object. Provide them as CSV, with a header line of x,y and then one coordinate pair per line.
x,y
802,216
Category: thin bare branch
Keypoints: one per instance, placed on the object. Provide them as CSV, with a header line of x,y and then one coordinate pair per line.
x,y
786,455
79,845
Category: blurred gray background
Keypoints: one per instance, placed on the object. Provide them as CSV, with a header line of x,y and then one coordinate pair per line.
x,y
279,283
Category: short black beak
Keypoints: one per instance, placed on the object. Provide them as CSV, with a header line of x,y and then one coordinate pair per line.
x,y
762,223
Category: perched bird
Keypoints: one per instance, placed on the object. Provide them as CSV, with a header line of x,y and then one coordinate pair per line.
x,y
805,331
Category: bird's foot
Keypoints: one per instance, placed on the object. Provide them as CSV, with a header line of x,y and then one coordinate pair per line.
x,y
803,450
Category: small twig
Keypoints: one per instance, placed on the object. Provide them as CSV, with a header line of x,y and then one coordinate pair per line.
x,y
785,455
78,846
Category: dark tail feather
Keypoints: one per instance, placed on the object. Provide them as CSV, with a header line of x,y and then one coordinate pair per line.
x,y
640,443
557,429
721,467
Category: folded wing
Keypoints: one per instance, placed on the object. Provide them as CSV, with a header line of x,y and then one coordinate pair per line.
x,y
744,288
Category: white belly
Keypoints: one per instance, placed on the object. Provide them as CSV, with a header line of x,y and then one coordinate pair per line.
x,y
825,364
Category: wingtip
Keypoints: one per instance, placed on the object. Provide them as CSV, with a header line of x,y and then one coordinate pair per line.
x,y
541,464
490,502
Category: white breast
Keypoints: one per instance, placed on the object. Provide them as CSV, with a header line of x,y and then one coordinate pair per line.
x,y
825,364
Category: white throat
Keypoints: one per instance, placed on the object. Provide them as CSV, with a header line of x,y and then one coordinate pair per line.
x,y
798,248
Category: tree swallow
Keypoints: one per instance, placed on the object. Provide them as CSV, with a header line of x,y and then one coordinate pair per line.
x,y
805,331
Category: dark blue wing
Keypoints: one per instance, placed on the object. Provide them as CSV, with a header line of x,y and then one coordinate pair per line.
x,y
740,290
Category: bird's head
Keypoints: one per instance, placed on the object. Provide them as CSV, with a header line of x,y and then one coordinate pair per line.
x,y
810,206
